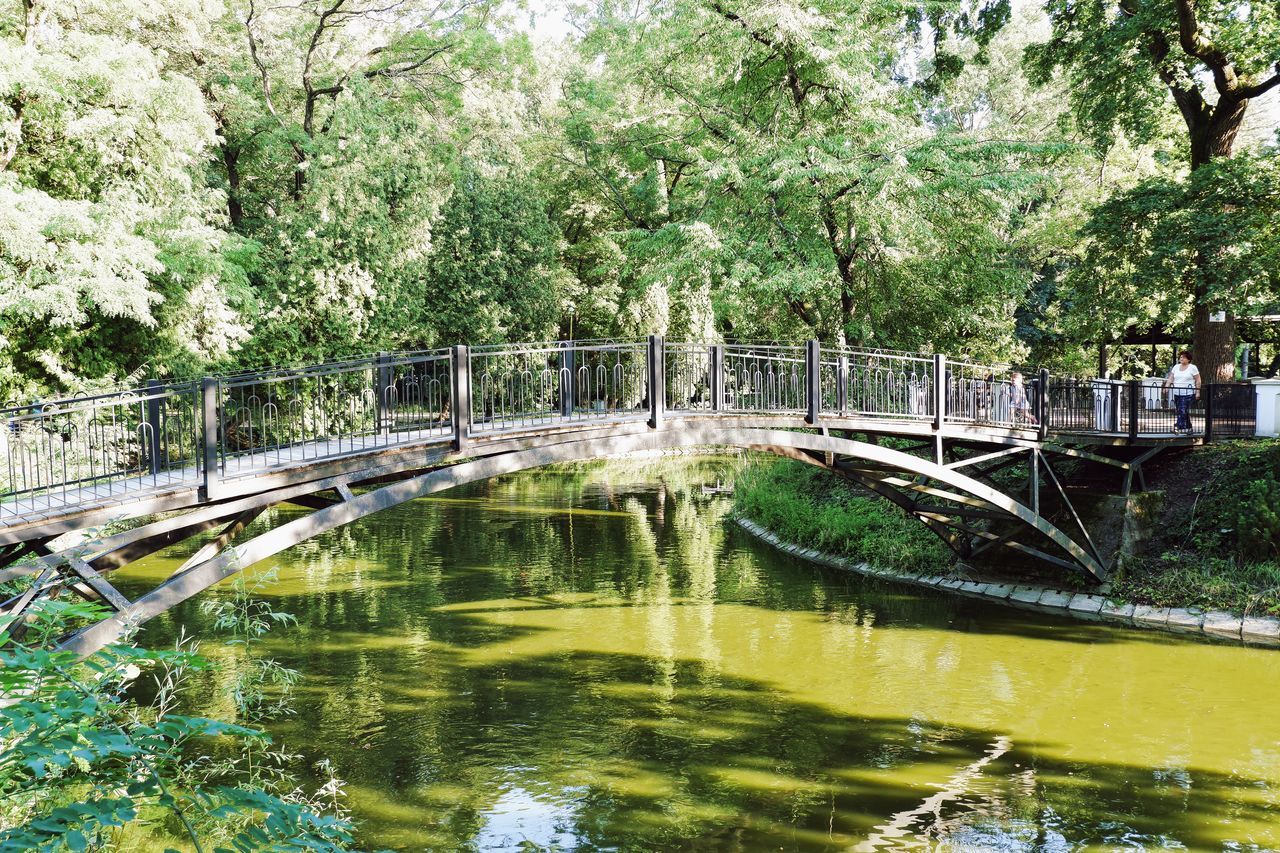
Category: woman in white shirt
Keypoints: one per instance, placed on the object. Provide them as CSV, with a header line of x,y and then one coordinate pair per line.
x,y
1184,379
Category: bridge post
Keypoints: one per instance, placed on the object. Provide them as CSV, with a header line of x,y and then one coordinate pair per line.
x,y
657,375
153,424
382,385
939,390
1135,391
1043,403
715,360
1206,389
460,371
842,384
568,379
209,393
812,381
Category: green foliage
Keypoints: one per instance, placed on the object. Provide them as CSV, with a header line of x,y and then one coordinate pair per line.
x,y
1145,249
1258,518
1182,579
82,765
815,509
491,276
1218,548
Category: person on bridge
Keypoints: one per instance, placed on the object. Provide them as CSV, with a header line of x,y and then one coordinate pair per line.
x,y
1019,400
1184,380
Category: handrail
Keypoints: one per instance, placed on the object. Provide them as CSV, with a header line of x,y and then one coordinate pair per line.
x,y
61,453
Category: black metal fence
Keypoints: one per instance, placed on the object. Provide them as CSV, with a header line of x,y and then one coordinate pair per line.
x,y
99,448
1145,408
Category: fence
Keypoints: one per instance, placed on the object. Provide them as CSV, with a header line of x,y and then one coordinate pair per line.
x,y
546,384
281,417
96,448
105,445
1145,408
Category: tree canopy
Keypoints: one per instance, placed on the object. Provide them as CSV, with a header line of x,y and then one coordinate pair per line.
x,y
191,185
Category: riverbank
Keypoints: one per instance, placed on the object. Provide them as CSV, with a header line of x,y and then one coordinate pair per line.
x,y
1220,624
1204,583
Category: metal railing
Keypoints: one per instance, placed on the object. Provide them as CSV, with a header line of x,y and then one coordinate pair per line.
x,y
1136,408
292,417
94,449
518,387
107,445
877,384
992,395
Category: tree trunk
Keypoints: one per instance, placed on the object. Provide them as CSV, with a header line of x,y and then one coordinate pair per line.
x,y
231,159
1214,134
1214,343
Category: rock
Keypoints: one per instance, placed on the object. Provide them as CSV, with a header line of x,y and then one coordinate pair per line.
x,y
1086,605
1117,612
1146,615
1026,594
1055,598
1222,624
1185,619
1261,629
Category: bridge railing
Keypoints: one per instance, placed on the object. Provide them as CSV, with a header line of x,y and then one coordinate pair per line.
x,y
872,384
991,395
1135,408
105,445
518,387
283,417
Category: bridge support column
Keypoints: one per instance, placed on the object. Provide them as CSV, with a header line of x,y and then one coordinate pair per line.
x,y
657,377
940,385
382,389
842,384
460,372
568,379
715,360
153,424
812,381
209,393
1042,404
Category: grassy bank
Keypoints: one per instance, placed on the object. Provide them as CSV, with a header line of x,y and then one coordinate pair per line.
x,y
1217,543
809,506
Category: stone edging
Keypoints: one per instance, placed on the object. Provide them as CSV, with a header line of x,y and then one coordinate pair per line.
x,y
1215,623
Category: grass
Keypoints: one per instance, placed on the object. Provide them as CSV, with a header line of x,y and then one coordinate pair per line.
x,y
1219,541
814,508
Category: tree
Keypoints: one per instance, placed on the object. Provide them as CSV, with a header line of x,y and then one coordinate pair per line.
x,y
492,273
765,154
107,231
1161,230
1129,58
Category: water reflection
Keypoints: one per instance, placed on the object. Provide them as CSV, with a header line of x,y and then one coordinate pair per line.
x,y
592,658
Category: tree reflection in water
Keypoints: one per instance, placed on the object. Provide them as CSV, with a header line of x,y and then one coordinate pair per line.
x,y
593,657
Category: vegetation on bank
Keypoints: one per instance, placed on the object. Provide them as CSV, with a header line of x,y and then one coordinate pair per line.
x,y
97,755
807,505
1217,542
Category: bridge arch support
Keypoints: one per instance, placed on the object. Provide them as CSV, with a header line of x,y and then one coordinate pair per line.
x,y
890,471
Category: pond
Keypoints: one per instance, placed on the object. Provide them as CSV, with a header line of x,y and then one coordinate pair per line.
x,y
597,658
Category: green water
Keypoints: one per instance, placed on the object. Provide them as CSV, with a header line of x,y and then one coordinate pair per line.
x,y
598,659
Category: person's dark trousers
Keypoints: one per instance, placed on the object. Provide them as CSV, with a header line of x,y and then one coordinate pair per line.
x,y
1182,402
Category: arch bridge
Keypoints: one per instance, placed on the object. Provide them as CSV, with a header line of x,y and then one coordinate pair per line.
x,y
973,451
